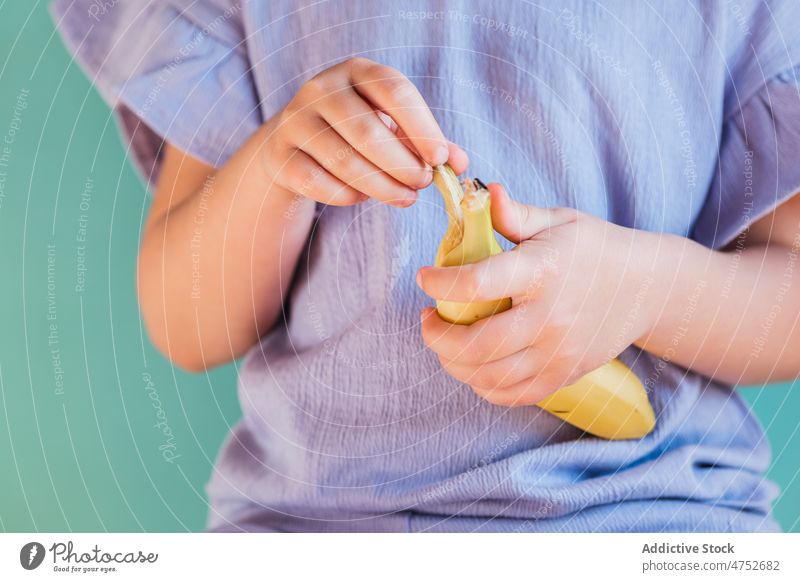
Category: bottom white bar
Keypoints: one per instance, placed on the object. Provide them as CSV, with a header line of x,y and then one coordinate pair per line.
x,y
389,557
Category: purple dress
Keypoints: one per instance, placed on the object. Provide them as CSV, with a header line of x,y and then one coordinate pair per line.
x,y
680,118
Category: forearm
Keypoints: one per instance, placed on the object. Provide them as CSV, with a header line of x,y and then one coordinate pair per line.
x,y
214,269
731,315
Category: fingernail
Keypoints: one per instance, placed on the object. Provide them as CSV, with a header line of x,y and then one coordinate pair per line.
x,y
427,178
406,202
419,278
442,154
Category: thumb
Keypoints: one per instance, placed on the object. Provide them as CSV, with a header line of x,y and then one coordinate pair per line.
x,y
518,222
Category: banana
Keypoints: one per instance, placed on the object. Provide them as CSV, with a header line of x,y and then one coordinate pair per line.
x,y
609,402
469,238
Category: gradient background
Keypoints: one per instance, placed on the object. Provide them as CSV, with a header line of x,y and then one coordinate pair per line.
x,y
88,459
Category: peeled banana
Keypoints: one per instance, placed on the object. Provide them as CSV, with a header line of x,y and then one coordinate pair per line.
x,y
609,402
469,238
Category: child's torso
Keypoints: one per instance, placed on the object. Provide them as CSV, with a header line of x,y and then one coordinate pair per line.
x,y
346,412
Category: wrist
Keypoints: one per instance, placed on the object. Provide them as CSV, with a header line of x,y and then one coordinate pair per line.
x,y
674,267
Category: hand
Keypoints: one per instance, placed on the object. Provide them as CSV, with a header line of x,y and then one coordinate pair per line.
x,y
358,130
577,285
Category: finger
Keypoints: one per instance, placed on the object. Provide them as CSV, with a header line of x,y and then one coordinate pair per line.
x,y
496,374
301,174
518,222
458,158
391,92
401,136
512,274
388,122
487,340
339,158
454,342
525,393
358,123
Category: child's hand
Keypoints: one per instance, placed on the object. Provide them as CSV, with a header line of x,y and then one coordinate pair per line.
x,y
577,285
357,130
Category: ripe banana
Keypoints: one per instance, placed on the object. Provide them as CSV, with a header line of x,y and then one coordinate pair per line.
x,y
609,402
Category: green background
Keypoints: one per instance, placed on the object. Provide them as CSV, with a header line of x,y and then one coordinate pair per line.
x,y
88,458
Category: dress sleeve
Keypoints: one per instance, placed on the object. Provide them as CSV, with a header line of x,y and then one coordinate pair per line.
x,y
758,165
171,71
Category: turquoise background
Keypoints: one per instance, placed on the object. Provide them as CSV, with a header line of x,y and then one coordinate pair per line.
x,y
88,456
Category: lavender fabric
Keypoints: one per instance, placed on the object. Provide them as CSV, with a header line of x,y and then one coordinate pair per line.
x,y
678,117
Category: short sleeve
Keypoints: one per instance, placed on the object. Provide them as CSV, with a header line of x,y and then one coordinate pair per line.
x,y
171,71
758,165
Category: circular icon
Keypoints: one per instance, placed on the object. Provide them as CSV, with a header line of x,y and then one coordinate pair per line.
x,y
31,555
